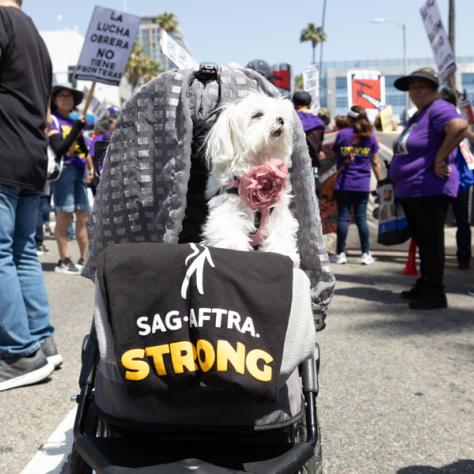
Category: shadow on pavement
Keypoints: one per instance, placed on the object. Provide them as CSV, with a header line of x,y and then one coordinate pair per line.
x,y
463,466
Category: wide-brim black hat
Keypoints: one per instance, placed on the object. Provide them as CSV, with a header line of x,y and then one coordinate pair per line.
x,y
403,83
78,95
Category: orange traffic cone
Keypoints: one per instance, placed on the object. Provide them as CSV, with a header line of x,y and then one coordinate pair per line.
x,y
410,266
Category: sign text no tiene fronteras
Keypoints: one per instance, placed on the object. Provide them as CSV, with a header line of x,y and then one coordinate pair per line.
x,y
108,43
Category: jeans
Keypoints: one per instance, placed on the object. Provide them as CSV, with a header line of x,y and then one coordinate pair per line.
x,y
358,201
426,217
70,191
460,207
24,308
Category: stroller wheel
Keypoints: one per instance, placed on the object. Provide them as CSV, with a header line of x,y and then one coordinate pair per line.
x,y
77,465
314,465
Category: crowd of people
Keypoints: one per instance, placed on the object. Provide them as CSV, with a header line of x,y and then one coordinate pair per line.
x,y
428,172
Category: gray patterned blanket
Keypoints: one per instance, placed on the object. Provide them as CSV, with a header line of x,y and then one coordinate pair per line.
x,y
142,193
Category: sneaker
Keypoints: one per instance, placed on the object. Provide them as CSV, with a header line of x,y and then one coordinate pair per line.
x,y
80,264
67,267
470,292
429,301
48,346
464,265
340,258
41,250
367,259
19,371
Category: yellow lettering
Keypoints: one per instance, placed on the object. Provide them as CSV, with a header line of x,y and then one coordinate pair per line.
x,y
183,355
157,353
265,374
137,369
226,353
205,347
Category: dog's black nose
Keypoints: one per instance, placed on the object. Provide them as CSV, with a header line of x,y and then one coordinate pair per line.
x,y
280,120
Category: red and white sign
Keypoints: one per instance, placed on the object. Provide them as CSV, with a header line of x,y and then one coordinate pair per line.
x,y
366,89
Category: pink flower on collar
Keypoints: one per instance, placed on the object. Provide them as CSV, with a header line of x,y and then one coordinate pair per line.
x,y
262,186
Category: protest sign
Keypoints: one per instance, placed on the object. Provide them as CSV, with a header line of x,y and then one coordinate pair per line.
x,y
386,119
96,106
282,78
311,83
107,46
366,89
177,53
438,38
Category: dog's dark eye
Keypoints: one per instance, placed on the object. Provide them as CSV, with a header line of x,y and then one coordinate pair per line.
x,y
257,115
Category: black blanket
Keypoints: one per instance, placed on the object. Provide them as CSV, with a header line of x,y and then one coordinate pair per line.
x,y
184,316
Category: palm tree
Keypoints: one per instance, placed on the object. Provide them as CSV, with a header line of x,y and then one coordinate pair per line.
x,y
315,34
168,22
141,68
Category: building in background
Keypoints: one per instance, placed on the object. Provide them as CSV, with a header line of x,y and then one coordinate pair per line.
x,y
149,38
334,80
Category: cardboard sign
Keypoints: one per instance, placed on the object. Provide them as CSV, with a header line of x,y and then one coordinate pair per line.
x,y
107,46
386,119
366,89
438,39
176,53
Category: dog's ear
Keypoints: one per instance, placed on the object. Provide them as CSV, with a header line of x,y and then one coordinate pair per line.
x,y
221,140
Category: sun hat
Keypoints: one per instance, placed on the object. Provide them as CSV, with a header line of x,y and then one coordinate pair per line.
x,y
78,95
426,73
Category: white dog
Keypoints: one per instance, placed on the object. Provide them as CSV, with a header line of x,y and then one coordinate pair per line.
x,y
251,138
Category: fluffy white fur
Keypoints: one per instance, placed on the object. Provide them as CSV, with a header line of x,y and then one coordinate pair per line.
x,y
247,133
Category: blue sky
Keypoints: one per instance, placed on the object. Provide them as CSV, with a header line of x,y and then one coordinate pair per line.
x,y
225,31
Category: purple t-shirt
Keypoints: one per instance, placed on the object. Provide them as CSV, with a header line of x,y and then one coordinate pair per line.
x,y
310,121
414,152
354,157
74,156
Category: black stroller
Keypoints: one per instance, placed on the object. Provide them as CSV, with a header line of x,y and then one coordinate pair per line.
x,y
205,429
151,191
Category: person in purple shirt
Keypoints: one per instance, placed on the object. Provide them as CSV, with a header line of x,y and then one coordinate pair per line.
x,y
313,126
70,190
357,151
425,179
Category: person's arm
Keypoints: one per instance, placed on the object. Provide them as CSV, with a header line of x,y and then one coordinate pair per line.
x,y
454,131
377,166
60,146
90,168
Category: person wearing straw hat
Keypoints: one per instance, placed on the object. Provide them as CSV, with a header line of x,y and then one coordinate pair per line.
x,y
425,179
70,190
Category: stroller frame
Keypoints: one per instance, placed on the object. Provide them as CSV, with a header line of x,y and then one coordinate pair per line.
x,y
102,446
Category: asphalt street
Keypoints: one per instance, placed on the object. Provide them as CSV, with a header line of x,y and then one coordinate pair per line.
x,y
397,386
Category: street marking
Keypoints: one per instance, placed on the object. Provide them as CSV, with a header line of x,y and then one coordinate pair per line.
x,y
52,454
